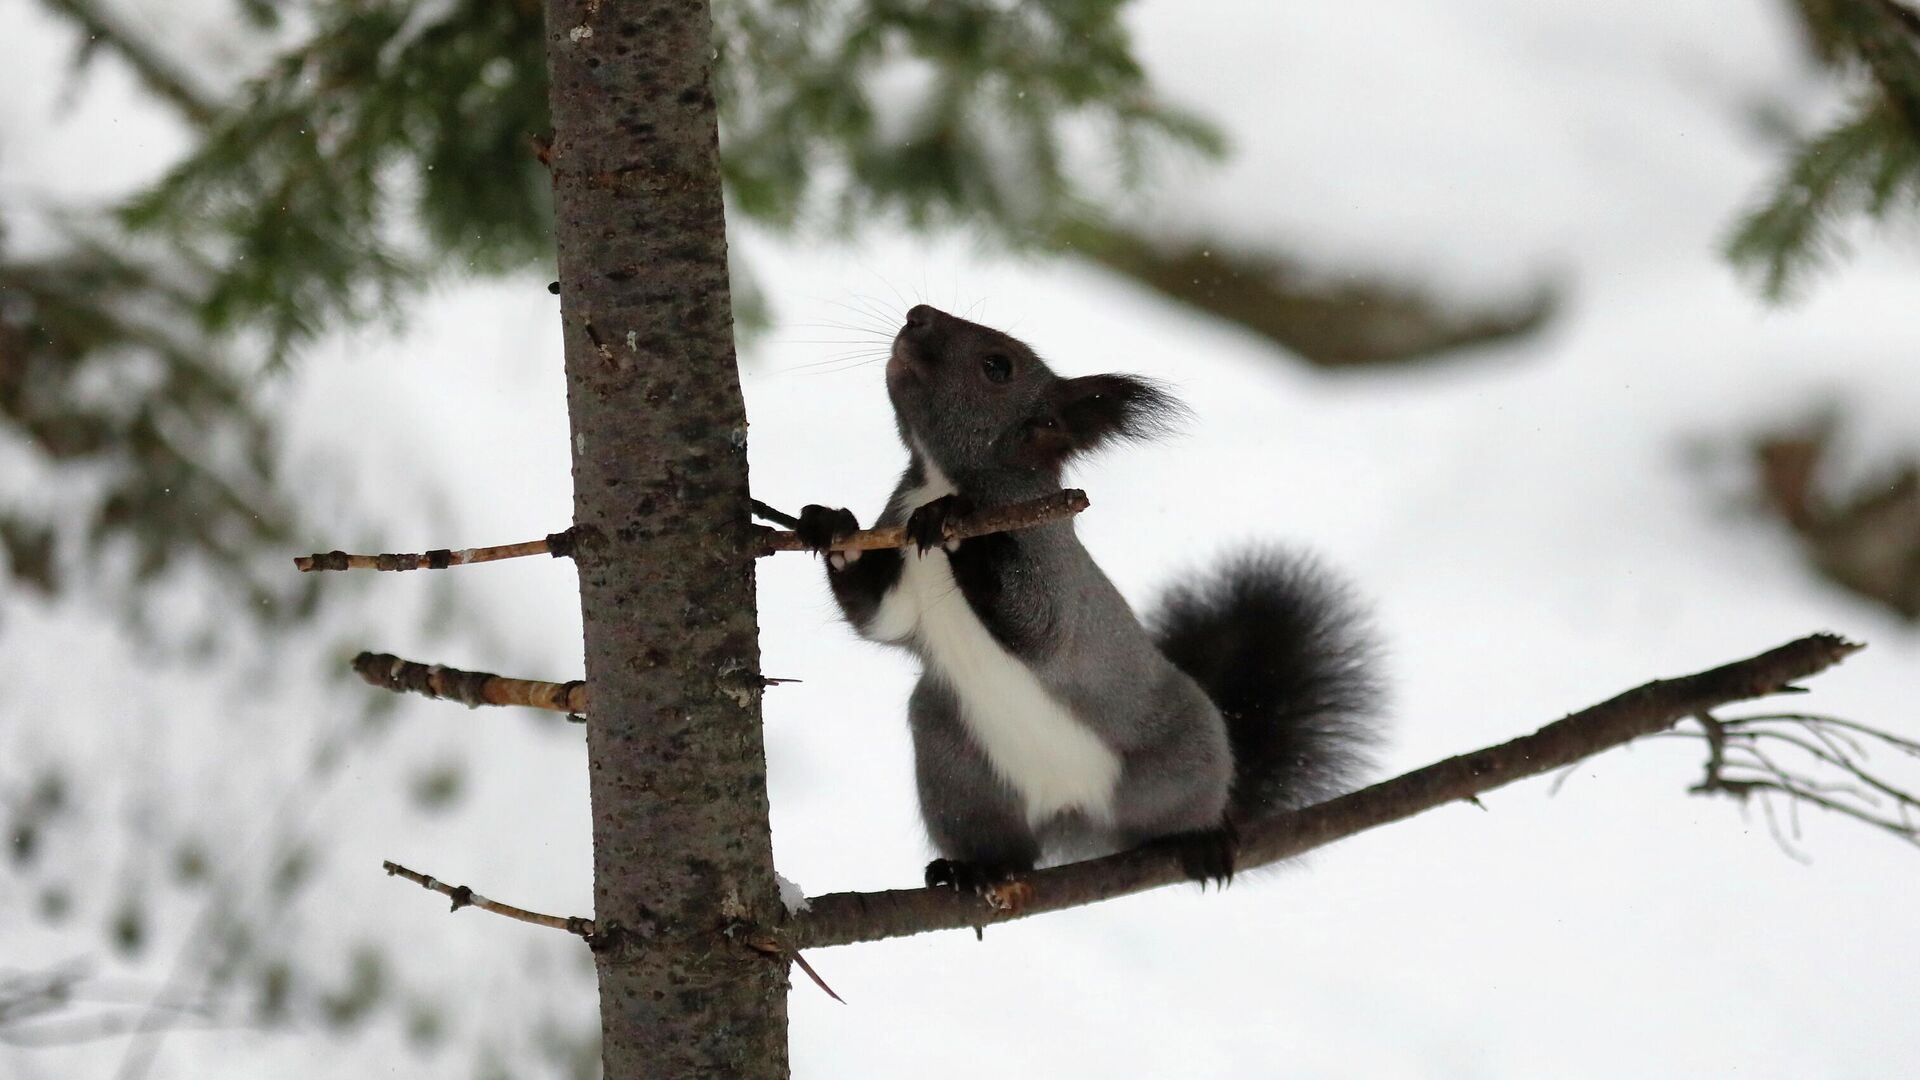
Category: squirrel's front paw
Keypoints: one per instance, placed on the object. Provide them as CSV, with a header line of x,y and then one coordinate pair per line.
x,y
927,525
821,526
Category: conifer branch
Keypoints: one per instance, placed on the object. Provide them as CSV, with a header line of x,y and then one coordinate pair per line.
x,y
470,688
559,545
589,931
463,896
1887,34
105,30
1008,518
476,688
846,918
994,519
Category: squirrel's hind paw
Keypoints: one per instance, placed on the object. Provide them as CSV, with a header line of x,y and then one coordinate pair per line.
x,y
994,884
1208,855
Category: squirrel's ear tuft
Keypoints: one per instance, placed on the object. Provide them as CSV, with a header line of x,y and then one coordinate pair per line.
x,y
1085,413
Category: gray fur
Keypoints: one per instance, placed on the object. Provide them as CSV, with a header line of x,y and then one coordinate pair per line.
x,y
1093,655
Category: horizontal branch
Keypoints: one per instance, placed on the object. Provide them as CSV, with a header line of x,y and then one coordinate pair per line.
x,y
1008,518
994,519
463,896
845,918
472,688
559,545
160,74
587,930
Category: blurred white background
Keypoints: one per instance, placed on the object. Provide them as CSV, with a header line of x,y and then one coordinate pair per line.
x,y
1539,525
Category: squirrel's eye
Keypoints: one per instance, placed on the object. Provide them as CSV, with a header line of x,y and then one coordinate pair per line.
x,y
997,367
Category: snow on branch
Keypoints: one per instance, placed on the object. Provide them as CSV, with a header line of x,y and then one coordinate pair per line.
x,y
846,918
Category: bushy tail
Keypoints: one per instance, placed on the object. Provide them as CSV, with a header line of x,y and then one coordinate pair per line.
x,y
1285,654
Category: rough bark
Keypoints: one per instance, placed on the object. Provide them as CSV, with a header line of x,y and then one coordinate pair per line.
x,y
665,552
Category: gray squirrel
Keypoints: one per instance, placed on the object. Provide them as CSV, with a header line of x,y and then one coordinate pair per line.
x,y
1048,722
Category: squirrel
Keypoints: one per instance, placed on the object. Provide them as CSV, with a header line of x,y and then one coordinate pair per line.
x,y
1048,720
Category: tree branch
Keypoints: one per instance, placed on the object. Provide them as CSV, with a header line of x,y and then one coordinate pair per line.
x,y
1008,518
471,688
104,30
846,918
1837,749
765,944
1330,320
476,688
559,545
994,519
463,896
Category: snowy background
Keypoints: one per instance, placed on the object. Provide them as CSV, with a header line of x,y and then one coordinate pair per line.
x,y
1539,525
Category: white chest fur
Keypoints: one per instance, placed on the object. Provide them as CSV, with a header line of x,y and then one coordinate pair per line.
x,y
1043,752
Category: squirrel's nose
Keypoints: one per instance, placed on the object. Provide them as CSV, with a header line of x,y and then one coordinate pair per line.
x,y
920,318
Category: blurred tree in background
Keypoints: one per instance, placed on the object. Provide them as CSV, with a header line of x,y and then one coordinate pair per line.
x,y
379,147
364,152
1859,529
374,147
1868,162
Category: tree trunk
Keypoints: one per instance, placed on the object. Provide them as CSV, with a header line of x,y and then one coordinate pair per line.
x,y
677,769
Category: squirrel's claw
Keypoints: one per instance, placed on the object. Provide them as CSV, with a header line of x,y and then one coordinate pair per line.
x,y
820,526
1208,856
963,876
994,884
927,525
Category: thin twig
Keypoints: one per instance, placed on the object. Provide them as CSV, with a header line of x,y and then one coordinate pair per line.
x,y
1727,775
1009,518
1560,781
1843,745
463,896
1773,827
1853,768
1763,762
995,519
770,945
559,545
1907,746
588,930
471,688
1738,786
815,976
845,918
477,688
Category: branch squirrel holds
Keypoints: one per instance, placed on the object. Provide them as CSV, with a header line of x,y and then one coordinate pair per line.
x,y
1048,722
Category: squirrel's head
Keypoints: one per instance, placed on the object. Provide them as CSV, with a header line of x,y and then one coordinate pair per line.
x,y
978,400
